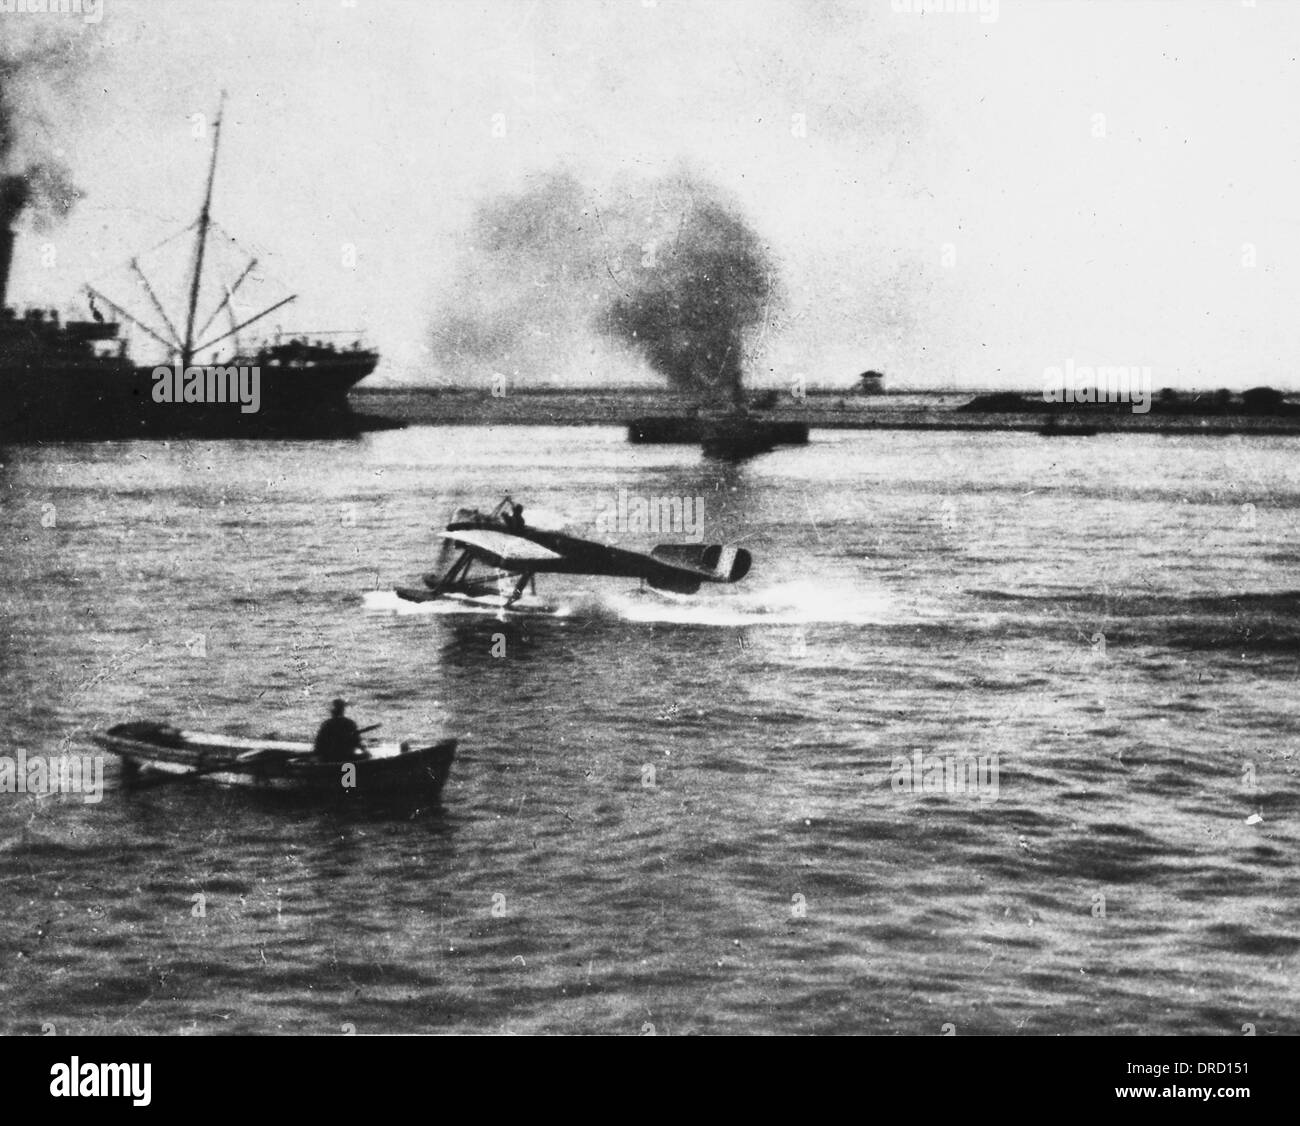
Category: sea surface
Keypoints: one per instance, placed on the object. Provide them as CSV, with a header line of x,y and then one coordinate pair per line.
x,y
669,815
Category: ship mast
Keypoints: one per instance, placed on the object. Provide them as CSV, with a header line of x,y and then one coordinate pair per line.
x,y
188,346
205,219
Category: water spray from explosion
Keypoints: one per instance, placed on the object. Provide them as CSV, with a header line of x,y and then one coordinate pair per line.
x,y
668,268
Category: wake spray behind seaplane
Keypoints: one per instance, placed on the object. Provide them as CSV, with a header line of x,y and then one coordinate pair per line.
x,y
487,562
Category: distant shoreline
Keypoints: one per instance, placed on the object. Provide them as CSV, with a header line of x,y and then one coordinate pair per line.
x,y
820,410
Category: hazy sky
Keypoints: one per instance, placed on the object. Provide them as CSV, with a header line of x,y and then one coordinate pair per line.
x,y
964,201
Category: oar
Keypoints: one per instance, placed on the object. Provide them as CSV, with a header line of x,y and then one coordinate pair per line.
x,y
160,777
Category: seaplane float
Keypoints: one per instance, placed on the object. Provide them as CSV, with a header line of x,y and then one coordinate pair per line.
x,y
157,752
488,561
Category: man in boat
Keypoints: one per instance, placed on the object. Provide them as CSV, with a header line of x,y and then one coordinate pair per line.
x,y
339,739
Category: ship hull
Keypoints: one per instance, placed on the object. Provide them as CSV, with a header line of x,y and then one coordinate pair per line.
x,y
115,400
726,436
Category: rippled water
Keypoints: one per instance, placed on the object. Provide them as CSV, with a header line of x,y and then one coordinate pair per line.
x,y
670,813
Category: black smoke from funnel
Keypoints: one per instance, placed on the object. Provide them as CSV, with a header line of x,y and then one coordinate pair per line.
x,y
43,183
13,198
667,267
697,294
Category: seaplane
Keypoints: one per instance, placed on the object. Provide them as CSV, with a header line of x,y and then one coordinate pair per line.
x,y
488,562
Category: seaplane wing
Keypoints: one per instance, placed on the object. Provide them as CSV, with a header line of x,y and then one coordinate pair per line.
x,y
680,568
503,550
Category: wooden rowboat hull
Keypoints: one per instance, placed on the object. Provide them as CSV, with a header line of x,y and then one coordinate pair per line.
x,y
392,770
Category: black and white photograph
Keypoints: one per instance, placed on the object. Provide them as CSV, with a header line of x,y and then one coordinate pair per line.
x,y
650,518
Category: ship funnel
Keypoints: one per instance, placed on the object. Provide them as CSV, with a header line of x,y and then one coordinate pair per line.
x,y
13,197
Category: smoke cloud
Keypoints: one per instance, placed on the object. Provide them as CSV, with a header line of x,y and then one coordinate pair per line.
x,y
528,267
30,179
701,286
666,268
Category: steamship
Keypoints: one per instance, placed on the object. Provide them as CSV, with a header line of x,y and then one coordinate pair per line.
x,y
74,379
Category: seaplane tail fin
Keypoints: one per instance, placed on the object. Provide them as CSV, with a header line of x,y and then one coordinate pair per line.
x,y
714,563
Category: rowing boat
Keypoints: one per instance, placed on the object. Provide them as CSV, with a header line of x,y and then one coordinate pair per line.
x,y
389,769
